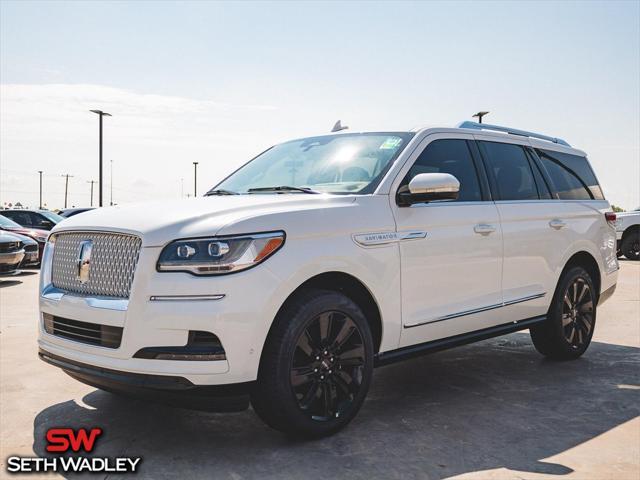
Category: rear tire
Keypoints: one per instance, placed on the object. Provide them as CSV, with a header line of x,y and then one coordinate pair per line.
x,y
316,366
631,245
567,332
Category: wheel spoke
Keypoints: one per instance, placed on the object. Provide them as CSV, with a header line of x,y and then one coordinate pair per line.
x,y
355,352
309,397
301,376
566,319
567,301
583,292
571,334
325,327
306,344
574,296
345,332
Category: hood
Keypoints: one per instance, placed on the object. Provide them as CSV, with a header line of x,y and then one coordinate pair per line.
x,y
160,222
34,233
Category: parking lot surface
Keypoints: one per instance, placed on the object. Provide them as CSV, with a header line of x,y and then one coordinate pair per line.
x,y
491,410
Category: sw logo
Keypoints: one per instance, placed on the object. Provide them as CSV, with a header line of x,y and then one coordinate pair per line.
x,y
63,441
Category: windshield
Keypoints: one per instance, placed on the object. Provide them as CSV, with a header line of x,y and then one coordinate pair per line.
x,y
54,217
344,163
8,223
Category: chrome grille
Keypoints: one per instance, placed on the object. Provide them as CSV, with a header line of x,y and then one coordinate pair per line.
x,y
112,264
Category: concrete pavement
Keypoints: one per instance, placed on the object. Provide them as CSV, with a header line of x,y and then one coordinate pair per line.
x,y
492,410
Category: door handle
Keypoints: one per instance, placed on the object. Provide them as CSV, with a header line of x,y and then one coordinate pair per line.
x,y
484,228
557,223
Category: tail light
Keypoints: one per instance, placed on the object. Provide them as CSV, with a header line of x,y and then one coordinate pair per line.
x,y
611,218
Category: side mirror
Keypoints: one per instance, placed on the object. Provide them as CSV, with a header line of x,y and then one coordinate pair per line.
x,y
428,187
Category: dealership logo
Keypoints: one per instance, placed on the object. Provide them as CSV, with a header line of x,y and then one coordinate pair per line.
x,y
84,260
70,441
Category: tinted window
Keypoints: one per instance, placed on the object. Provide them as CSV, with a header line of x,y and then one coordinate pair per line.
x,y
543,188
511,171
453,157
571,176
19,217
40,221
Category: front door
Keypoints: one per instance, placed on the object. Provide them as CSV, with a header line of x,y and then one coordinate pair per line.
x,y
451,277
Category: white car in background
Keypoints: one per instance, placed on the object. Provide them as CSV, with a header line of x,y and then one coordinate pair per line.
x,y
324,257
628,234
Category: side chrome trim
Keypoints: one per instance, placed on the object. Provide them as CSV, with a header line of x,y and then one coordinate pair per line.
x,y
185,298
385,238
54,294
477,310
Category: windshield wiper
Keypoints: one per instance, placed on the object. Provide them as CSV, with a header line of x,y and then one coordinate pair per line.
x,y
282,188
220,192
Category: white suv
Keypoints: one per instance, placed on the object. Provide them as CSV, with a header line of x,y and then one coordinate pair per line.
x,y
327,256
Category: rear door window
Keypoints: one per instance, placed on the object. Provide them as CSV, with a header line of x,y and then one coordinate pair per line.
x,y
510,170
571,175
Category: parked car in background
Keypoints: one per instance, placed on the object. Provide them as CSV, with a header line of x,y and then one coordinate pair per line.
x,y
41,219
628,234
31,251
291,279
70,212
11,253
38,235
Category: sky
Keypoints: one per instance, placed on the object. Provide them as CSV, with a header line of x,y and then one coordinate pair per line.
x,y
217,83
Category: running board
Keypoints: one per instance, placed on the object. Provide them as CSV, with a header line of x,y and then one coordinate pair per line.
x,y
404,353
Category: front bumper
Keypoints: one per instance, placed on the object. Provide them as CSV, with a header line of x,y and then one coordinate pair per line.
x,y
237,308
172,390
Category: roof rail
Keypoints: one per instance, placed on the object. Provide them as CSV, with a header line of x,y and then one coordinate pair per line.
x,y
512,131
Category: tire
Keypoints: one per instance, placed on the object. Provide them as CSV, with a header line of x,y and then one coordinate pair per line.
x,y
316,365
630,246
571,319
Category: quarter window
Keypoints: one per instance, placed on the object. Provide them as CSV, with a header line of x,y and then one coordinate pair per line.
x,y
449,156
571,176
511,171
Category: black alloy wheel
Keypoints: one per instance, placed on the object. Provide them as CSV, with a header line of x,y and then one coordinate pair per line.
x,y
577,313
316,366
566,333
328,366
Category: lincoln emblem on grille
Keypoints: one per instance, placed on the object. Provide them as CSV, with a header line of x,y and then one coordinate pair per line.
x,y
84,260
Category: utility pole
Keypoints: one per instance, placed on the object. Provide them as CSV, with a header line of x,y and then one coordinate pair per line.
x,y
40,172
101,114
195,179
66,187
480,115
111,185
91,182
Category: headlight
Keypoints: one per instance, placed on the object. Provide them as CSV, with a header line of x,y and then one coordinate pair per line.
x,y
219,255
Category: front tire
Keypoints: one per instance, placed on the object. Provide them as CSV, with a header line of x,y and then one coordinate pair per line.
x,y
316,366
567,332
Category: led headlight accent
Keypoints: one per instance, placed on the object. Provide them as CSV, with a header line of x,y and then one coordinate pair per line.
x,y
219,255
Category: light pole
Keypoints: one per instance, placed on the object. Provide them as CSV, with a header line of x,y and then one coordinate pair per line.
x,y
40,172
195,179
66,187
111,185
480,115
101,114
91,182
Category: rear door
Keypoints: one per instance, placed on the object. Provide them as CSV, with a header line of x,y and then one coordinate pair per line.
x,y
451,261
535,228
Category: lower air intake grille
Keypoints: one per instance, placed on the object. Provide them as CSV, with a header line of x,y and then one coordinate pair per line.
x,y
83,332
